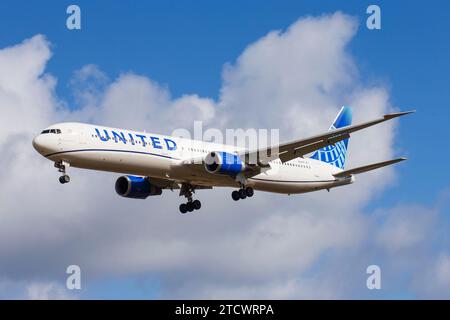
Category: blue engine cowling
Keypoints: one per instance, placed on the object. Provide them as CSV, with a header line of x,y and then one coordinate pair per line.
x,y
223,163
136,187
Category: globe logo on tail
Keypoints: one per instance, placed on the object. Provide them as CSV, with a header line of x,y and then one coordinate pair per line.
x,y
336,154
333,154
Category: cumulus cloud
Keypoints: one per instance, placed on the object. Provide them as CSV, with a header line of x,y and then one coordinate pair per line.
x,y
26,92
88,85
292,79
271,246
47,291
32,290
405,228
136,102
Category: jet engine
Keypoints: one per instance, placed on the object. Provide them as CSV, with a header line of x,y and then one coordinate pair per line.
x,y
136,187
223,163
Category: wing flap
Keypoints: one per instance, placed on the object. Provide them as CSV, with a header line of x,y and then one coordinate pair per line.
x,y
164,183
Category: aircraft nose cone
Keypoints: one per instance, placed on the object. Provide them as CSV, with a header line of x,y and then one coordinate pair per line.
x,y
38,144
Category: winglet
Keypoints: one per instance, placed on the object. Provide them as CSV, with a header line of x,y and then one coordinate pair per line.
x,y
397,114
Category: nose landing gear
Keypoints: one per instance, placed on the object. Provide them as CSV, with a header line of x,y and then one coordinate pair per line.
x,y
62,165
64,179
242,193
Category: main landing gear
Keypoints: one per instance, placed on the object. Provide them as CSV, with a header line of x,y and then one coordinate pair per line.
x,y
242,193
190,206
187,190
62,165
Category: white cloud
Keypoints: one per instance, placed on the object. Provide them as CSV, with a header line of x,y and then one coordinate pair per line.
x,y
443,270
432,281
87,85
47,291
405,228
270,246
136,102
34,290
26,93
293,79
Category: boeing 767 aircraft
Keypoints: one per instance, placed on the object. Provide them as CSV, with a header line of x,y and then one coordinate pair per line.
x,y
154,162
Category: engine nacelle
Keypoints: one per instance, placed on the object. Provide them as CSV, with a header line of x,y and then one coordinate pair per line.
x,y
224,163
136,187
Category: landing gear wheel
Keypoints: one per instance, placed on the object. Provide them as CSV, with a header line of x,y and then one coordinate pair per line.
x,y
183,208
187,190
197,204
64,179
62,165
249,191
235,195
242,194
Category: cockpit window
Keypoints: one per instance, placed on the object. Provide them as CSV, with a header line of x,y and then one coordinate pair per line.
x,y
56,131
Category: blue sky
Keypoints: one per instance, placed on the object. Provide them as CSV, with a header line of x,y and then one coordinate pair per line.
x,y
185,44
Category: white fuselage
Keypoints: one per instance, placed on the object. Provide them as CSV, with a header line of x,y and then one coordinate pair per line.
x,y
158,156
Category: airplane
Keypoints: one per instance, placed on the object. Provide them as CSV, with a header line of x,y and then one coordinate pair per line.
x,y
153,162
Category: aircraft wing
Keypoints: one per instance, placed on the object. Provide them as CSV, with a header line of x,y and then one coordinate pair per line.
x,y
173,184
299,148
347,173
164,183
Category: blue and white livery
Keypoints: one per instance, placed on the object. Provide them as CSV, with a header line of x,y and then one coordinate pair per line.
x,y
153,163
335,154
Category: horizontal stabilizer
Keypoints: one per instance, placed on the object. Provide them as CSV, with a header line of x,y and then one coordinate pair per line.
x,y
369,167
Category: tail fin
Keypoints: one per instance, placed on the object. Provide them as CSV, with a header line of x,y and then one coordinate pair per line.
x,y
336,154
